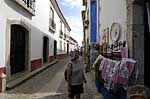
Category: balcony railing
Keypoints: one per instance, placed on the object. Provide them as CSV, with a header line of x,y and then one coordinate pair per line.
x,y
52,25
29,5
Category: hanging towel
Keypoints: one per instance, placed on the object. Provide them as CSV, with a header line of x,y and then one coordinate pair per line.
x,y
106,69
123,71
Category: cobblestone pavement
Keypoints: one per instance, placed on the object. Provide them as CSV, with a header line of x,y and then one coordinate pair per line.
x,y
49,84
90,91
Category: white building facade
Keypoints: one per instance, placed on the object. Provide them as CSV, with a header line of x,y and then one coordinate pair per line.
x,y
33,34
73,44
112,22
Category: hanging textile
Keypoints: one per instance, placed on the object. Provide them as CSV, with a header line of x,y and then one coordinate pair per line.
x,y
123,71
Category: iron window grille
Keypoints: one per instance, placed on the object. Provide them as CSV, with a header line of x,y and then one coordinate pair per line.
x,y
52,24
29,5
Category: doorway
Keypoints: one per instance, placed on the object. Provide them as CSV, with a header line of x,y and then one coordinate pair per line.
x,y
55,49
45,49
18,49
67,48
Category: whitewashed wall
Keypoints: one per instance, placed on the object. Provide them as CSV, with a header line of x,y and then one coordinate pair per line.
x,y
2,40
113,11
10,10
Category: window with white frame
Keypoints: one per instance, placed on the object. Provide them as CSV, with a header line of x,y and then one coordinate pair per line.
x,y
52,24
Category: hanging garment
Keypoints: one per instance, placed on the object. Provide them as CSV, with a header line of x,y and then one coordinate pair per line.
x,y
123,71
113,65
102,64
106,69
100,57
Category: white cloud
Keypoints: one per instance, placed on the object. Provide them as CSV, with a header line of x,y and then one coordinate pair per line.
x,y
72,3
77,29
75,21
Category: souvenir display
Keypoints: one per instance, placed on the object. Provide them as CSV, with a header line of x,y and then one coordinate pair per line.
x,y
114,74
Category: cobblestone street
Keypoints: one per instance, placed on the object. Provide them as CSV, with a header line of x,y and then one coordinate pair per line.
x,y
49,84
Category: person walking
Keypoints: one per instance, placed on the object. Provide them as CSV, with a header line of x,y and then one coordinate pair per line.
x,y
75,76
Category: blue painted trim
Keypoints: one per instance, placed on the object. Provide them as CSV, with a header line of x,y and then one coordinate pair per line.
x,y
93,20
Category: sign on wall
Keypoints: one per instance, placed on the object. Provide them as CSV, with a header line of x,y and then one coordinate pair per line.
x,y
115,31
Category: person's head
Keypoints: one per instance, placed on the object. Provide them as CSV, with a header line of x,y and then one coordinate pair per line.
x,y
73,55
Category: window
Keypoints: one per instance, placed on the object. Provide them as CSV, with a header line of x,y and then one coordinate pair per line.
x,y
51,14
65,36
60,25
60,45
64,29
52,25
64,46
29,5
61,33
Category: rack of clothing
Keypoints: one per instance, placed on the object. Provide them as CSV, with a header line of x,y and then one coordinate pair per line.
x,y
112,76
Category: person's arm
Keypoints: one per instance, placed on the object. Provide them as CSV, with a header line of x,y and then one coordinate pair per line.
x,y
69,72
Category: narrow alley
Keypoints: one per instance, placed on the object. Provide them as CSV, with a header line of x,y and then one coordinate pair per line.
x,y
49,84
38,38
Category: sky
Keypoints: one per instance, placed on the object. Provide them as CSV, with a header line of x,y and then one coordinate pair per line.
x,y
71,10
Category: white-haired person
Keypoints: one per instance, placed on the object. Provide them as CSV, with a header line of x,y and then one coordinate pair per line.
x,y
75,76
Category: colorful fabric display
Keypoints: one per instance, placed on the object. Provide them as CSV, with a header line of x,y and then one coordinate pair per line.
x,y
102,64
123,71
109,80
106,69
113,74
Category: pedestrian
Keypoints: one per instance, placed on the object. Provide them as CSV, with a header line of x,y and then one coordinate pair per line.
x,y
75,76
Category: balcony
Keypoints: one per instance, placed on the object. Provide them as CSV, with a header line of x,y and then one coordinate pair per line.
x,y
28,5
60,34
52,25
